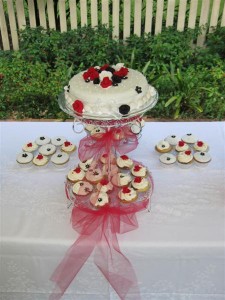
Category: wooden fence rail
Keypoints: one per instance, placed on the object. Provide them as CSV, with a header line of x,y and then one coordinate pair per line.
x,y
125,17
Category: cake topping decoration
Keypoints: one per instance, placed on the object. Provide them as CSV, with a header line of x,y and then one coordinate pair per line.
x,y
180,143
104,181
78,106
200,143
202,153
188,152
124,109
59,155
42,138
126,190
137,179
137,168
40,156
24,155
124,157
67,144
138,89
77,170
99,199
29,145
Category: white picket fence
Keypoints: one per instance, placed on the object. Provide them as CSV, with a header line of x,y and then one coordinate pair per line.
x,y
147,16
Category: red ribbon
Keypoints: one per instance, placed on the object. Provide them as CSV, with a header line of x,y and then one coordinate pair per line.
x,y
98,230
120,139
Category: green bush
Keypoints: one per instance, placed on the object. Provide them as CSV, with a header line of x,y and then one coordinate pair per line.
x,y
192,77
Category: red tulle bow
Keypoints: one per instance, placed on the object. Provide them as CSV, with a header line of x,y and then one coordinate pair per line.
x,y
121,140
98,230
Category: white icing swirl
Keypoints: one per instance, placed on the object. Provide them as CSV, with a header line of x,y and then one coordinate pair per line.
x,y
200,146
140,185
99,199
124,163
75,176
132,195
139,173
181,146
184,158
121,179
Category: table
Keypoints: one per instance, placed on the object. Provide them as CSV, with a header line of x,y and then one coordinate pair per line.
x,y
178,252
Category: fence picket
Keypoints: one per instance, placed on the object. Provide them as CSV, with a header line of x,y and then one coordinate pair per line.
x,y
94,13
115,17
41,10
170,13
137,17
62,16
214,15
126,19
148,16
12,23
105,13
3,28
203,21
181,15
193,14
20,14
51,14
159,16
223,17
73,14
31,10
83,12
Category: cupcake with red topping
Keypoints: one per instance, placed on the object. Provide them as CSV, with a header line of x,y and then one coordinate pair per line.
x,y
30,147
105,158
105,186
139,170
124,162
68,147
141,184
181,146
40,160
76,174
200,146
185,157
127,195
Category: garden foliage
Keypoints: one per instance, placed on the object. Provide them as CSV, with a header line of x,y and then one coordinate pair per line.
x,y
190,80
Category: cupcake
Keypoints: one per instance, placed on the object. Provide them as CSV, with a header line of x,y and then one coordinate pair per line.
x,y
124,162
139,170
42,140
40,160
82,188
121,179
94,175
200,146
105,186
24,158
202,157
68,147
58,141
60,158
181,146
167,158
99,199
185,157
30,147
189,138
86,164
163,147
172,139
127,195
141,184
97,132
47,149
76,174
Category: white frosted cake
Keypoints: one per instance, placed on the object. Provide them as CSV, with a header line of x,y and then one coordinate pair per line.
x,y
109,92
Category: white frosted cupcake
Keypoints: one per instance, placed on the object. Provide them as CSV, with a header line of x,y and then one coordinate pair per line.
x,y
58,141
127,195
172,139
163,147
200,146
47,149
24,158
141,184
99,199
121,179
60,158
68,147
181,146
76,174
40,160
124,162
139,170
185,157
105,186
86,164
42,140
202,157
189,138
30,147
82,188
97,132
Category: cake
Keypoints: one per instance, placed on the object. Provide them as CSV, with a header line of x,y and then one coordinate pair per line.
x,y
99,199
76,174
181,146
200,146
30,147
185,157
60,158
127,195
121,179
47,149
163,147
82,188
108,92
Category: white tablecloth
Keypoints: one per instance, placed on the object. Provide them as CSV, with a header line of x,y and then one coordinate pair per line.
x,y
178,252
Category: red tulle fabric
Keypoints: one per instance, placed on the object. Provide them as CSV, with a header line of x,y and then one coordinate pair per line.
x,y
121,140
98,231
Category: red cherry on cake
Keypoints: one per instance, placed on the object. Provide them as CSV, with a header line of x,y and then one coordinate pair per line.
x,y
137,179
126,190
180,143
199,143
104,181
77,170
137,168
188,152
105,155
40,156
29,145
124,157
67,144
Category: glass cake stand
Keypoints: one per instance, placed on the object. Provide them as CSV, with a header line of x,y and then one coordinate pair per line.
x,y
108,125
